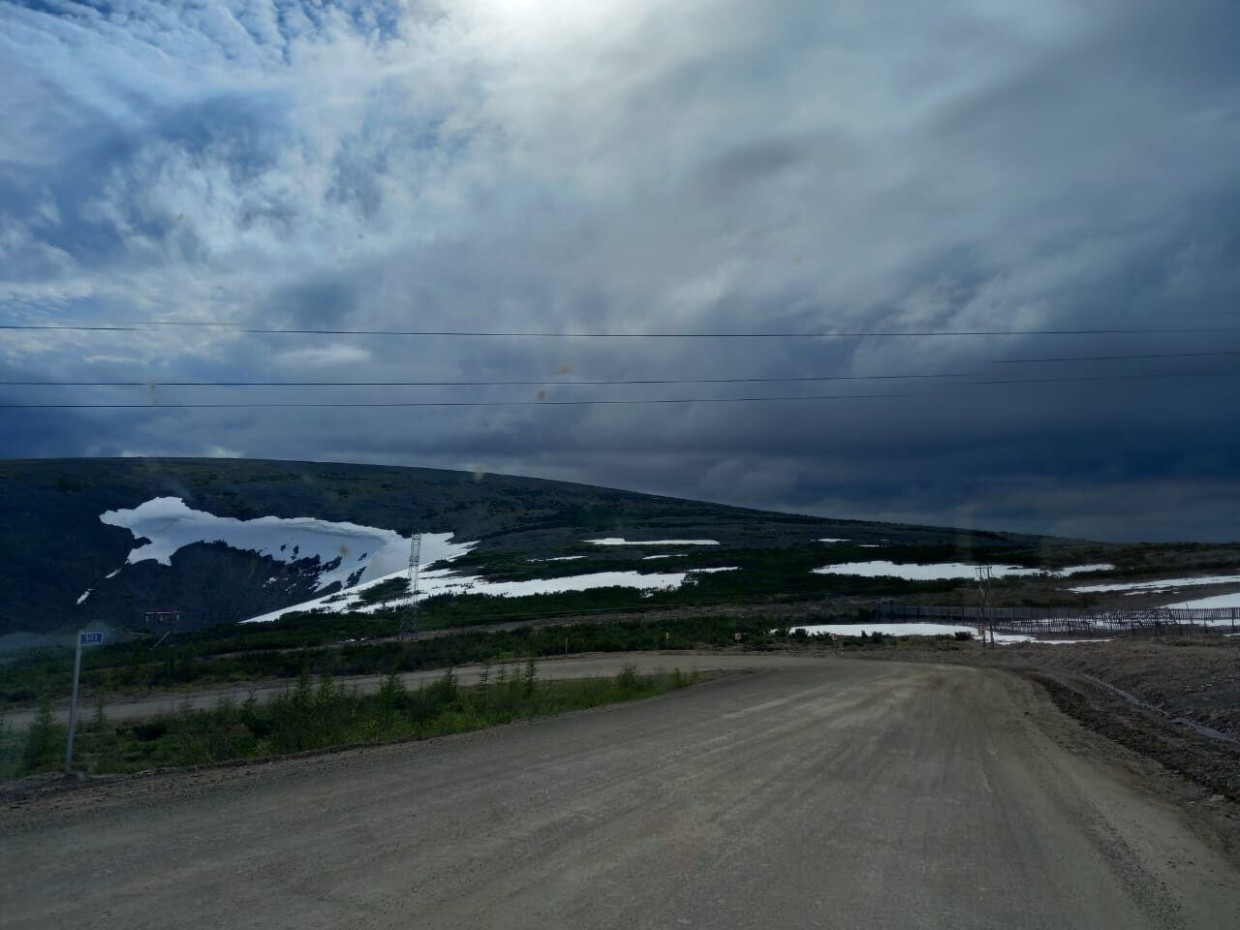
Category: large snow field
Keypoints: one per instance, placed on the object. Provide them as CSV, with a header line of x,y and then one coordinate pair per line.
x,y
355,557
1137,587
444,581
619,541
944,570
355,553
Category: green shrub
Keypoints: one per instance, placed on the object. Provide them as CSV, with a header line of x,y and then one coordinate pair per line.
x,y
149,730
627,681
39,736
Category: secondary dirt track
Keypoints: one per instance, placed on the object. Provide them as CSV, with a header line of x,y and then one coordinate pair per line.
x,y
809,793
578,666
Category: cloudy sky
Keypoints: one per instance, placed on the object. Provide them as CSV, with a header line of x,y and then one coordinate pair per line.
x,y
646,167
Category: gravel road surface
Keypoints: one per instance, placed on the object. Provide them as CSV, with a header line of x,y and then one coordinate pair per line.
x,y
805,793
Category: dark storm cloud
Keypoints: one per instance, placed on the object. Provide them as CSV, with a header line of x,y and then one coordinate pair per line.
x,y
635,167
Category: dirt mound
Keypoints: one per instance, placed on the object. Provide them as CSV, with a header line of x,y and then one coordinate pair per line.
x,y
1211,763
1197,678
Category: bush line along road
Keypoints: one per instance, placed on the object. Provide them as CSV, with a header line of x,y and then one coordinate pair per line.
x,y
798,793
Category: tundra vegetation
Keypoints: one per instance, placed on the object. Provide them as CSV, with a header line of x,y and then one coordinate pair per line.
x,y
317,713
290,648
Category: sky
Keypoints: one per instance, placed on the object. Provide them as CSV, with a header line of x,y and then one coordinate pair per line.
x,y
645,167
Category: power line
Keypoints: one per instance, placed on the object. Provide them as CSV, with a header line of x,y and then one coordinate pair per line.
x,y
598,402
544,382
139,326
609,382
602,383
1112,358
552,382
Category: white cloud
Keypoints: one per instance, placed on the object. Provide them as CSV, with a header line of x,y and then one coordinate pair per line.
x,y
625,165
321,357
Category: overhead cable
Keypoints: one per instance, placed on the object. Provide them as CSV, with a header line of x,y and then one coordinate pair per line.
x,y
139,326
1112,358
603,401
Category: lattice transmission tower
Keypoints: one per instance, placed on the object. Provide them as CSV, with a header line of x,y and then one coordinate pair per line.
x,y
410,624
985,575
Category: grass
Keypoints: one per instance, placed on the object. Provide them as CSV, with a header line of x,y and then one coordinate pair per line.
x,y
317,713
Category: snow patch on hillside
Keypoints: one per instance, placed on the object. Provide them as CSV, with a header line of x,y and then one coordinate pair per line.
x,y
905,629
1218,600
931,629
946,570
444,581
1164,584
1083,569
619,541
348,553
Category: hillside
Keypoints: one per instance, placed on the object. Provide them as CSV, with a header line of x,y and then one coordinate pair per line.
x,y
55,546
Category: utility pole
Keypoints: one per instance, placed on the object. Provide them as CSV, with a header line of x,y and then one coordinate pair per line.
x,y
410,625
985,575
85,638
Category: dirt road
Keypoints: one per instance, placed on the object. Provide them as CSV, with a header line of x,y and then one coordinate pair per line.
x,y
805,794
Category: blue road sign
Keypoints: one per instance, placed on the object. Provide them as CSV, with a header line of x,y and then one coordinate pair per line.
x,y
90,639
